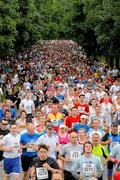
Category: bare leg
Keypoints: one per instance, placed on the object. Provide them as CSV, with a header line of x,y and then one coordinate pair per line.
x,y
16,176
25,175
109,178
7,178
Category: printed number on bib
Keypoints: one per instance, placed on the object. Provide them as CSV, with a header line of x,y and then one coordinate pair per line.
x,y
30,145
113,144
55,122
16,146
81,109
88,168
74,155
42,173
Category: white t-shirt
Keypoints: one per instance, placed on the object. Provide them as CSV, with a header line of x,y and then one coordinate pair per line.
x,y
49,141
13,141
28,105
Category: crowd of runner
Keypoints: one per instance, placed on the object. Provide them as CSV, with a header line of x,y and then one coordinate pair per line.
x,y
59,115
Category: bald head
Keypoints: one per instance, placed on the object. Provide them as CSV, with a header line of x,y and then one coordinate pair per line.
x,y
73,138
30,128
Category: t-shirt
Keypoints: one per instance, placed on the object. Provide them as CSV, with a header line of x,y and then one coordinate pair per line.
x,y
51,142
3,132
72,151
88,166
82,108
117,176
41,172
79,126
30,140
70,121
100,151
115,152
13,141
28,105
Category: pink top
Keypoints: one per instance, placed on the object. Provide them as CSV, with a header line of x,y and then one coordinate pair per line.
x,y
63,140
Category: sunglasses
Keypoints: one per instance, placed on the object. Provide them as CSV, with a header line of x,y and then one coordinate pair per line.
x,y
4,124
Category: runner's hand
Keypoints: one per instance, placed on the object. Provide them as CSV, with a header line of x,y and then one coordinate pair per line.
x,y
67,159
9,149
81,178
47,166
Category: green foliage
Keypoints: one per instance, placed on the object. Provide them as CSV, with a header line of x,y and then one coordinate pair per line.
x,y
95,24
8,21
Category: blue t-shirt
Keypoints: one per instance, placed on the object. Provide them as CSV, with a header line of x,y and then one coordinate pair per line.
x,y
60,97
2,115
115,141
29,139
79,126
13,113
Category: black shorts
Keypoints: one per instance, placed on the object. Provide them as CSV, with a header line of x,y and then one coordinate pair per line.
x,y
25,162
110,165
68,175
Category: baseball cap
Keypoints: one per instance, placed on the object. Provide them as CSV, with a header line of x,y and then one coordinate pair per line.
x,y
62,126
114,124
28,87
84,116
81,95
50,126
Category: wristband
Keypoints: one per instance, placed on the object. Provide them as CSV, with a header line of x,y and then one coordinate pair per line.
x,y
116,161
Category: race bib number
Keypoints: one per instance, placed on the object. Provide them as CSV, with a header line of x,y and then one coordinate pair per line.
x,y
113,144
42,173
74,155
61,147
55,122
15,146
81,109
88,168
106,109
30,145
28,108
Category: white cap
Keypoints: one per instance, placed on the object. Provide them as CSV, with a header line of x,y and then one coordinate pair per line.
x,y
62,126
28,87
84,116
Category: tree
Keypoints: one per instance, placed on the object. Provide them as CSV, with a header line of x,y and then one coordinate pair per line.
x,y
9,11
30,26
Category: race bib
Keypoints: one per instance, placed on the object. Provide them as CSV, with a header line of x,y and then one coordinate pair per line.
x,y
16,146
30,145
55,122
61,147
106,109
42,173
28,108
81,109
113,144
88,169
74,155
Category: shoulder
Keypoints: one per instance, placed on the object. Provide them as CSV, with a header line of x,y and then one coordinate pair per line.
x,y
51,160
24,135
95,158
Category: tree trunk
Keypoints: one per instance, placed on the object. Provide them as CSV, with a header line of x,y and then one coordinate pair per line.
x,y
117,63
111,61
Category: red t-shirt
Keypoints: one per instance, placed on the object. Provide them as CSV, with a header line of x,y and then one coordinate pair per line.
x,y
117,176
82,108
102,100
71,120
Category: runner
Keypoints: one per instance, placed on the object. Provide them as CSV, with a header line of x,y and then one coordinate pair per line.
x,y
43,166
69,154
50,139
10,144
89,164
27,141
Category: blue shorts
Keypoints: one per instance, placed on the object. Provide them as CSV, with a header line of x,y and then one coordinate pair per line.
x,y
12,165
110,172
